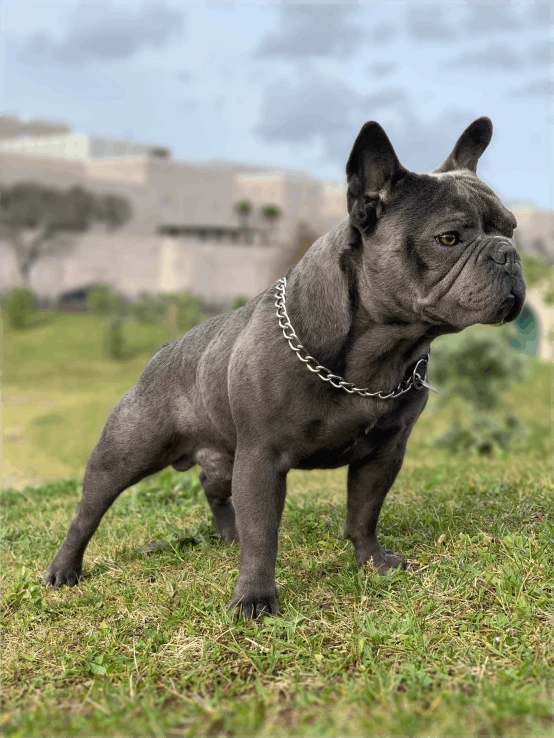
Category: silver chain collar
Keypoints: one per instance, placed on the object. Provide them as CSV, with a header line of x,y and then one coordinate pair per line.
x,y
415,380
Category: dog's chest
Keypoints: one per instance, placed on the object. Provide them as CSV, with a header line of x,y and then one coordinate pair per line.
x,y
339,441
331,457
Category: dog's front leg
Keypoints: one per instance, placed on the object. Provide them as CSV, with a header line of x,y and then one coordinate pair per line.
x,y
259,489
369,480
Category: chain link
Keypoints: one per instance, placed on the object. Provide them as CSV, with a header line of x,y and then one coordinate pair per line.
x,y
415,380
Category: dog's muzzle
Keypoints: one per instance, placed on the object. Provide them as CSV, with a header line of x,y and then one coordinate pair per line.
x,y
508,273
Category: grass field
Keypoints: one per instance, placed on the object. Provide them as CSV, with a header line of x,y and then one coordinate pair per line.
x,y
460,644
58,390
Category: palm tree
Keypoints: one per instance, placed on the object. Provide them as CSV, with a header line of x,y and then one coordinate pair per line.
x,y
271,213
244,209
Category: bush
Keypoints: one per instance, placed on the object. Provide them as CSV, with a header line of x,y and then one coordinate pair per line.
x,y
478,366
486,434
114,341
152,310
189,311
181,310
104,300
18,306
537,270
238,302
107,302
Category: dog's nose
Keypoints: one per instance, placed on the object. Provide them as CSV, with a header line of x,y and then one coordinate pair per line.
x,y
505,252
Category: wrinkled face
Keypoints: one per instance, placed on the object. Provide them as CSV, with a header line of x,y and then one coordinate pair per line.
x,y
438,248
449,237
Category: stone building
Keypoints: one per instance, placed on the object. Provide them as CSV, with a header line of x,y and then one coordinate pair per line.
x,y
178,207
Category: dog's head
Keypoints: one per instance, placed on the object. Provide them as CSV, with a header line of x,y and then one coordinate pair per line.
x,y
437,248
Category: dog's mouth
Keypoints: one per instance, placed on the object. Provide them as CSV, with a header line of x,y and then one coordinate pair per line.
x,y
511,306
506,312
508,305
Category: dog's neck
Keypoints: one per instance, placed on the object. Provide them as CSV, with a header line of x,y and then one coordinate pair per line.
x,y
331,321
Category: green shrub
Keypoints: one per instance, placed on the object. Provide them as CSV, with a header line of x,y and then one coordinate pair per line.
x,y
114,341
485,435
152,310
156,309
107,302
189,311
536,269
478,367
239,302
104,300
18,306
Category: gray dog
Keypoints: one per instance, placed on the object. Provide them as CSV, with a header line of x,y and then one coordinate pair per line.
x,y
418,256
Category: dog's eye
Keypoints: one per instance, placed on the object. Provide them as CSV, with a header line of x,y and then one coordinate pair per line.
x,y
449,239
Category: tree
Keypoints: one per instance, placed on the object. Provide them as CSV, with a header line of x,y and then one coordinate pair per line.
x,y
36,220
244,209
271,213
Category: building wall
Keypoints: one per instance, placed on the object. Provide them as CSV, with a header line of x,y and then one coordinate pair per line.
x,y
58,172
78,146
260,188
164,192
215,272
65,146
298,197
134,266
190,195
535,231
131,170
13,126
334,199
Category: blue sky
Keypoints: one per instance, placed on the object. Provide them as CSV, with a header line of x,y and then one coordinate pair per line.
x,y
290,85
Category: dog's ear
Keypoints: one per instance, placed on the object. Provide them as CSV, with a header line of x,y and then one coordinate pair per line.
x,y
469,147
371,172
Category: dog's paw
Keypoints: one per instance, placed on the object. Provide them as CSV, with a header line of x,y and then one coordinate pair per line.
x,y
250,606
58,576
383,560
230,535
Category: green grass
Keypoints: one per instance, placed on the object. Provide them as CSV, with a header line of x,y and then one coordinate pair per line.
x,y
56,380
460,644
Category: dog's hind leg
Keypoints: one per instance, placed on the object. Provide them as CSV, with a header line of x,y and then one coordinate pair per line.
x,y
218,494
137,441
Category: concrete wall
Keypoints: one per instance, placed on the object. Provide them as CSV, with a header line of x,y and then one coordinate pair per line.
x,y
66,146
13,126
217,272
160,192
535,231
77,146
